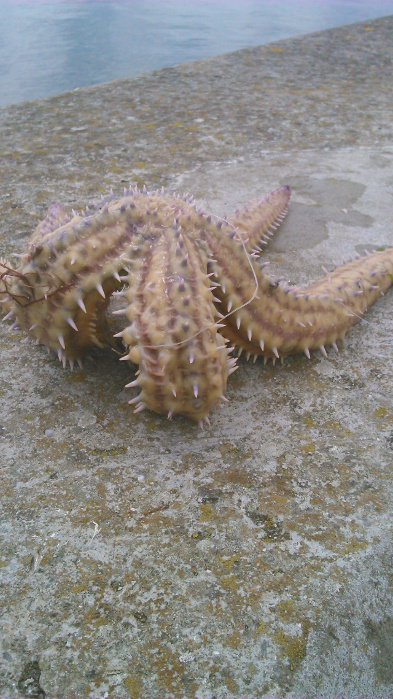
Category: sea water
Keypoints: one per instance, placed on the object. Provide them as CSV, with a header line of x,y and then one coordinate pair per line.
x,y
51,46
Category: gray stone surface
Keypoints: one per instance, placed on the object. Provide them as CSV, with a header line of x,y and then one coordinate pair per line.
x,y
146,558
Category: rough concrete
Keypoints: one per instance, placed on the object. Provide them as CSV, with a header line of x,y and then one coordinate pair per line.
x,y
144,558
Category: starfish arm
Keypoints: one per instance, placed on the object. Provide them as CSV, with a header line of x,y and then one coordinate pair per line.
x,y
264,317
258,220
172,335
55,217
62,284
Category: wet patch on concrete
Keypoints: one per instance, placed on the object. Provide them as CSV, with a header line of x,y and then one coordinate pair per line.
x,y
327,201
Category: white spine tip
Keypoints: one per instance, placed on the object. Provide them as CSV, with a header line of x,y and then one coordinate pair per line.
x,y
71,322
132,384
134,400
81,305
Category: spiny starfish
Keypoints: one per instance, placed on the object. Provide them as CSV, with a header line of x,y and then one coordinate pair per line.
x,y
191,284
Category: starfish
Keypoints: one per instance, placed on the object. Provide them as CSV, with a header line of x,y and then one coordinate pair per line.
x,y
190,283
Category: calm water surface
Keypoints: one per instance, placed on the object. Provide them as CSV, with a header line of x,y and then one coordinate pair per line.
x,y
49,47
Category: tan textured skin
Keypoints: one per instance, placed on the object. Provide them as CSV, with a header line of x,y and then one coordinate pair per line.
x,y
178,271
283,320
172,333
257,221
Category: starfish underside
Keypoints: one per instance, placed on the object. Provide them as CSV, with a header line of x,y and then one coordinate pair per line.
x,y
190,283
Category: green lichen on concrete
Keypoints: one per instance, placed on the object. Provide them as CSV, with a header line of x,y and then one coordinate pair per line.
x,y
292,647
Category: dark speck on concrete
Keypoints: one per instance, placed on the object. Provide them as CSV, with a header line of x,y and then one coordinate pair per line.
x,y
29,681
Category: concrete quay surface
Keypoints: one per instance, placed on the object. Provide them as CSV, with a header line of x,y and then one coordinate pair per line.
x,y
148,559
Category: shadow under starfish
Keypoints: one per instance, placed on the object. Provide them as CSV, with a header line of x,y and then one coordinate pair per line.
x,y
190,283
